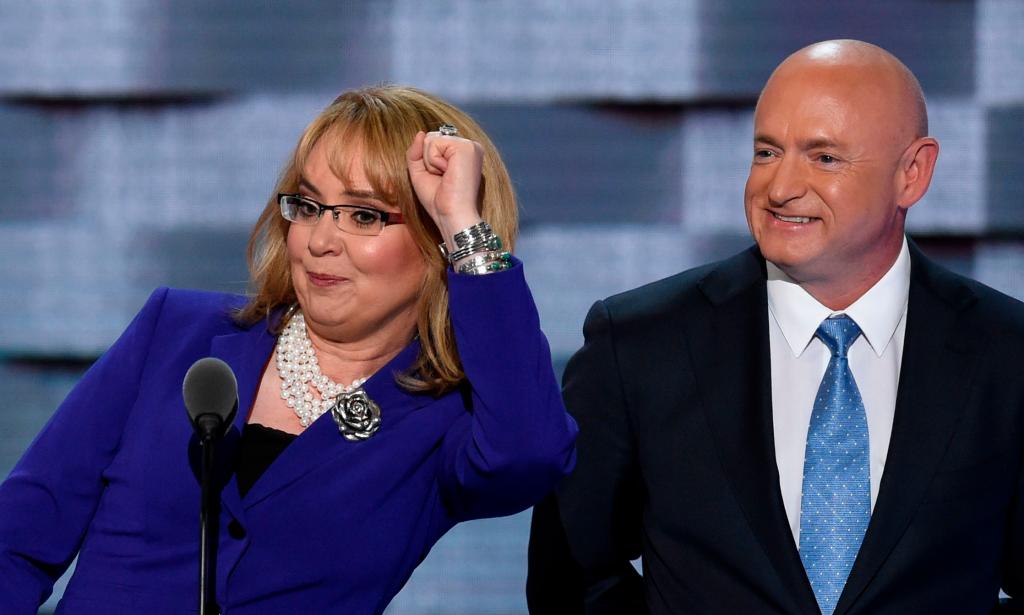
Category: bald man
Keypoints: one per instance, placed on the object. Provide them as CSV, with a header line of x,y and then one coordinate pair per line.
x,y
827,422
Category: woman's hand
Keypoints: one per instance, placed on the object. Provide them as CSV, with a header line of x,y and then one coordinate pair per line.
x,y
445,173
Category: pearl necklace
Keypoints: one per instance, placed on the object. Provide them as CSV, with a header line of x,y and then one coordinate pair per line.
x,y
297,366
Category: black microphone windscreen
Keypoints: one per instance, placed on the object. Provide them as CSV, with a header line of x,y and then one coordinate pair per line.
x,y
210,388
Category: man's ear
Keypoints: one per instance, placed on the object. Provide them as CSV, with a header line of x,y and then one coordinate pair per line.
x,y
914,174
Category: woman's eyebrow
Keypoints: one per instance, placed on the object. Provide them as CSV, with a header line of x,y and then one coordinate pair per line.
x,y
308,185
365,194
355,194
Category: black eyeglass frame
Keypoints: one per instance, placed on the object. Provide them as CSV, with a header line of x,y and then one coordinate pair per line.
x,y
387,218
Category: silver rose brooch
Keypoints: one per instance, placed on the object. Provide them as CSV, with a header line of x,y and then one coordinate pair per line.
x,y
357,416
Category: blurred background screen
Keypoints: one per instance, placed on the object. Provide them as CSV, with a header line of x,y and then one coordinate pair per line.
x,y
139,140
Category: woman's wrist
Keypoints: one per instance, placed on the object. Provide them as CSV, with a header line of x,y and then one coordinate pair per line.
x,y
450,225
476,250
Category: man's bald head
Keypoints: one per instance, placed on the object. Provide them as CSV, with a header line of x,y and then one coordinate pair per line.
x,y
864,64
840,155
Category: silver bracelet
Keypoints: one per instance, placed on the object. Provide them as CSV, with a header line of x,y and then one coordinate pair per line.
x,y
470,241
492,267
467,236
484,260
480,230
490,244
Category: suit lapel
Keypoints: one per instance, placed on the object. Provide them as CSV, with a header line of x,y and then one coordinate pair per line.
x,y
928,404
735,385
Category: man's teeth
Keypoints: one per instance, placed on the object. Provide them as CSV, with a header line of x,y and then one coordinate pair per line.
x,y
799,219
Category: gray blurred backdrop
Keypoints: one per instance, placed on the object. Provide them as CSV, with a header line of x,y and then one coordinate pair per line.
x,y
140,138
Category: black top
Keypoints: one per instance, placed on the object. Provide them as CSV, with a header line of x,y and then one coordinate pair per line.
x,y
258,447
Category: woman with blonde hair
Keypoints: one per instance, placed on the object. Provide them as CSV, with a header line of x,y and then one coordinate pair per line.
x,y
393,381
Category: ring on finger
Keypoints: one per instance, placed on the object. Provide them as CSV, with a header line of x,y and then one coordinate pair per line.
x,y
448,130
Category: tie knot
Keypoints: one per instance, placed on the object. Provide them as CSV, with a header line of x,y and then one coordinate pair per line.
x,y
838,334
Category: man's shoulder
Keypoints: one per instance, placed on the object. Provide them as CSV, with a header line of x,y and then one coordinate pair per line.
x,y
1001,314
998,310
682,290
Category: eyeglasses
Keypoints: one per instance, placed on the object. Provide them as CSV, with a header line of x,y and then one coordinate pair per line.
x,y
355,219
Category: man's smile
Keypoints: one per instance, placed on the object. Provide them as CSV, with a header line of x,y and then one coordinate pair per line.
x,y
793,219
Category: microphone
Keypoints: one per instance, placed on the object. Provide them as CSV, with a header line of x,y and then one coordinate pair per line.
x,y
210,391
211,397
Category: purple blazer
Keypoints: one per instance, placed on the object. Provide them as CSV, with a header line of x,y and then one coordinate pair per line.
x,y
333,525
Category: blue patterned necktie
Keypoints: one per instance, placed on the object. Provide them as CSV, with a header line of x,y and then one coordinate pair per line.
x,y
835,506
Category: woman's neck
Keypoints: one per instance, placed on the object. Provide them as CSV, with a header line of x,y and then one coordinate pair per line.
x,y
346,361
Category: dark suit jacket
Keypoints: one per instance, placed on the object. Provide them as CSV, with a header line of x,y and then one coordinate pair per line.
x,y
332,526
672,391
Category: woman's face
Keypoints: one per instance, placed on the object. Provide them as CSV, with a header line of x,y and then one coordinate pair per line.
x,y
353,288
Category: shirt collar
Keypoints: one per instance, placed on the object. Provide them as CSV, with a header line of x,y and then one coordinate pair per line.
x,y
877,312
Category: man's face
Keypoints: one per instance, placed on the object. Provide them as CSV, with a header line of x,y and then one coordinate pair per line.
x,y
820,198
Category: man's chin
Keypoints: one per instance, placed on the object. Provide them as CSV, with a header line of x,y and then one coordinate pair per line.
x,y
800,265
788,255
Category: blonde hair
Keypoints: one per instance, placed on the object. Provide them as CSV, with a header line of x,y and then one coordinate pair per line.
x,y
382,121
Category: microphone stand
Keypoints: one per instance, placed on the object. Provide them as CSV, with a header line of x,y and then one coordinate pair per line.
x,y
210,393
209,426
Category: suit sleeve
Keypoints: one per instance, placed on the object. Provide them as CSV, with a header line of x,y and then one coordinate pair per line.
x,y
48,500
518,441
1013,565
598,507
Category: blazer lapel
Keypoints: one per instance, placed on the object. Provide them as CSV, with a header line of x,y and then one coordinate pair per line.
x,y
735,384
322,442
247,353
928,404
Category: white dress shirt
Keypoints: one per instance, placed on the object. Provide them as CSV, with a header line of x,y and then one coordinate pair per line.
x,y
799,360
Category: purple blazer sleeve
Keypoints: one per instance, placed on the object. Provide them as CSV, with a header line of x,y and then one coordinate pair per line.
x,y
494,446
520,439
57,484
